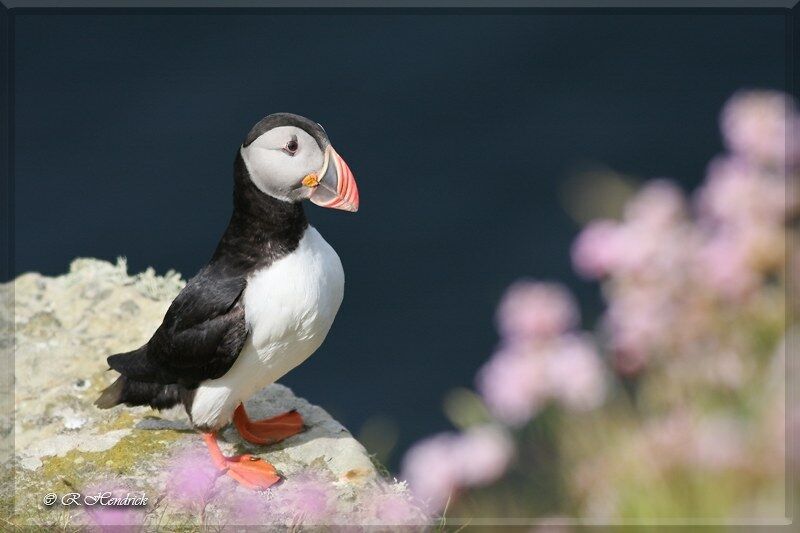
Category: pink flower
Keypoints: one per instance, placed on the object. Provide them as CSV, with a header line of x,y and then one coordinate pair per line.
x,y
389,507
397,510
658,204
534,310
306,497
596,251
575,373
755,123
437,466
242,506
111,518
191,478
722,263
638,320
647,239
430,472
736,193
514,385
482,454
632,250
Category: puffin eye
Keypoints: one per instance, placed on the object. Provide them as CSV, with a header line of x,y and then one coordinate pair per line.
x,y
291,147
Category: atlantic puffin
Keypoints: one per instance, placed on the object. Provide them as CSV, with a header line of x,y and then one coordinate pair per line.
x,y
261,306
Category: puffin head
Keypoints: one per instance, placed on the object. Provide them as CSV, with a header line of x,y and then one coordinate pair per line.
x,y
290,158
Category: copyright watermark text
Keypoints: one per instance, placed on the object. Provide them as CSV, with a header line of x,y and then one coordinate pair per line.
x,y
103,499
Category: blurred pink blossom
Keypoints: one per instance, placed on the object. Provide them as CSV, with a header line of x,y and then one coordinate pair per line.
x,y
306,497
639,320
241,506
520,378
191,478
677,284
650,241
575,373
482,454
755,123
736,193
111,518
430,472
658,204
397,510
596,251
536,310
514,385
437,466
387,506
722,263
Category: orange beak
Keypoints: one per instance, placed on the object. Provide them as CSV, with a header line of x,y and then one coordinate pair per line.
x,y
336,188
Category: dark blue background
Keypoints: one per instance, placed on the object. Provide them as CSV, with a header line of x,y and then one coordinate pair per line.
x,y
460,128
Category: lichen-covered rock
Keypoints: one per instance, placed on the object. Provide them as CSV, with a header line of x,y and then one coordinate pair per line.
x,y
64,328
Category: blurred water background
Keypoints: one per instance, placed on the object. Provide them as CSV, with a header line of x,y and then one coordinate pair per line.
x,y
472,137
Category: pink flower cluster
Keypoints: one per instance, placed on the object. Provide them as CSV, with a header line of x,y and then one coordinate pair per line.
x,y
667,266
111,518
533,311
689,282
191,479
304,499
308,498
540,358
391,505
762,126
438,466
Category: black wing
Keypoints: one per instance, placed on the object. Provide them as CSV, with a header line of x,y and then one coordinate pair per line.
x,y
200,337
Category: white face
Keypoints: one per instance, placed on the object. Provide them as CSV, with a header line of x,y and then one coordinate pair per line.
x,y
279,160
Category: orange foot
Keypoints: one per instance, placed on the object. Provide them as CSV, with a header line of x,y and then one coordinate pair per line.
x,y
249,471
269,430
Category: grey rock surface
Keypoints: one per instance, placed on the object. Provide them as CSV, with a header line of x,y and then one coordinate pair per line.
x,y
64,328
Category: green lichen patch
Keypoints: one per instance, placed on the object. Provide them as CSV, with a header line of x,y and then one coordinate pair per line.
x,y
122,459
122,420
134,457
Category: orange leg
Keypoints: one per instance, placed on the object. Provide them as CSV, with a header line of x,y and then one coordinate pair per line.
x,y
250,471
269,430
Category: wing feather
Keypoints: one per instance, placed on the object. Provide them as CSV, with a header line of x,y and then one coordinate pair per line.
x,y
200,337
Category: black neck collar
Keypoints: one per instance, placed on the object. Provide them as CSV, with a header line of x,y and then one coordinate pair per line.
x,y
262,228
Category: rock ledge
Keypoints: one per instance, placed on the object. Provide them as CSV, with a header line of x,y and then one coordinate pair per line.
x,y
64,328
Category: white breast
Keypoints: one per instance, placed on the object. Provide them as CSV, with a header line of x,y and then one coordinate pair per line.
x,y
289,308
297,297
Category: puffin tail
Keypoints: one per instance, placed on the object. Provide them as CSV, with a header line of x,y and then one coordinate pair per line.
x,y
138,383
130,392
111,395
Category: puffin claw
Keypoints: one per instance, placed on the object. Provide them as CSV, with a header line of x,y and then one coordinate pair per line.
x,y
248,470
252,472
